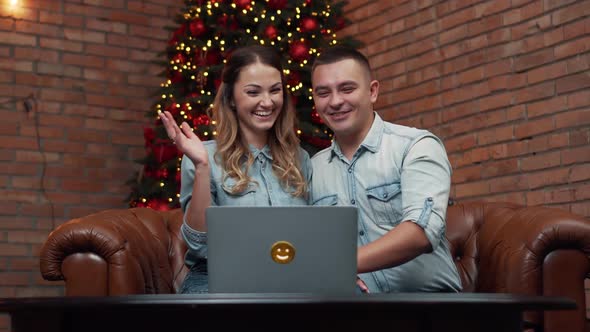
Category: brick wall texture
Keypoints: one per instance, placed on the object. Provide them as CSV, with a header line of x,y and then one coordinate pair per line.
x,y
505,84
89,65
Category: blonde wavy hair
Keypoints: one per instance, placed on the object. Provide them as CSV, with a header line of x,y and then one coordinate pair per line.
x,y
232,153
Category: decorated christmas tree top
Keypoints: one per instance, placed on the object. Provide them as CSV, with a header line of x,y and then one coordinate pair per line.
x,y
206,34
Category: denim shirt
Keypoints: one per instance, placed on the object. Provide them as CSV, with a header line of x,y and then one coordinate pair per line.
x,y
397,174
264,190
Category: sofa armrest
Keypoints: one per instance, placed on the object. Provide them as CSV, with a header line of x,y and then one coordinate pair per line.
x,y
113,252
526,250
514,242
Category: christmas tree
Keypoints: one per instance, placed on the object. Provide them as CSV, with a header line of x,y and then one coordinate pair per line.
x,y
205,35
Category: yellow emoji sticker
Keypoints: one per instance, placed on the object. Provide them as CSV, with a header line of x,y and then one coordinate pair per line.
x,y
282,252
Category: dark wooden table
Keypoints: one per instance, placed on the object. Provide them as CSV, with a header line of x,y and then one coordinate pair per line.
x,y
394,312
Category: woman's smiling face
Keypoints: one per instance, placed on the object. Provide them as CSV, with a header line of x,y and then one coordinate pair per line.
x,y
258,101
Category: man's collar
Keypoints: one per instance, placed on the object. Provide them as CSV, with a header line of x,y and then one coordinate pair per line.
x,y
371,142
373,139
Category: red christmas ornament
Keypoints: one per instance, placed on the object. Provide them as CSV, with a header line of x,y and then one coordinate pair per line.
x,y
197,27
164,152
213,57
179,58
315,117
217,83
222,20
294,78
243,4
173,109
299,51
308,24
270,32
308,2
176,35
162,173
340,23
199,59
147,172
176,77
277,4
158,204
201,120
185,108
139,204
233,24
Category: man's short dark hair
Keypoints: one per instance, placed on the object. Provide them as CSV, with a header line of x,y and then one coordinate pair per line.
x,y
338,53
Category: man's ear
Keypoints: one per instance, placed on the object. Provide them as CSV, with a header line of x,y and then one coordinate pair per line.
x,y
374,89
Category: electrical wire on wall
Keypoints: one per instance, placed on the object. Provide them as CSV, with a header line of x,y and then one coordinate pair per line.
x,y
30,105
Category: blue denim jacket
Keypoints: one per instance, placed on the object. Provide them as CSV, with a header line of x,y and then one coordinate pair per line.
x,y
397,174
265,190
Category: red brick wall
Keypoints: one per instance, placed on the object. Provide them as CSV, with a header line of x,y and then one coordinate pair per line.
x,y
88,64
505,84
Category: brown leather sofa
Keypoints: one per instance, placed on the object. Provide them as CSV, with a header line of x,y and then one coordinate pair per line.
x,y
498,247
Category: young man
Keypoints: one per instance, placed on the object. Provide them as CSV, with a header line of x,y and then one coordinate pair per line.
x,y
398,177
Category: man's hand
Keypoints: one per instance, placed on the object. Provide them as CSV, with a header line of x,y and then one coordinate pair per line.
x,y
362,285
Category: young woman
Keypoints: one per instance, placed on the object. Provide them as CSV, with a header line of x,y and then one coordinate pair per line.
x,y
254,160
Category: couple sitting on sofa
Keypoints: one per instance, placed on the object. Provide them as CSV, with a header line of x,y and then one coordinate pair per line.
x,y
398,177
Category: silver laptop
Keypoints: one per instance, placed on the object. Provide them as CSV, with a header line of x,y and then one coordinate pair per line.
x,y
291,249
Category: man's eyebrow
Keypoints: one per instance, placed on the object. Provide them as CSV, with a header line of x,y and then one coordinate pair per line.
x,y
320,87
347,83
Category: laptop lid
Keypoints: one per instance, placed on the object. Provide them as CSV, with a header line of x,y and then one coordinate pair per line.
x,y
287,249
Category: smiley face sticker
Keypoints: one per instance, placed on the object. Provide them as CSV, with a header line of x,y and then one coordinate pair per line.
x,y
282,252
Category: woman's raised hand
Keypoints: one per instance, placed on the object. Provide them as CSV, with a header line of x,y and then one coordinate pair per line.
x,y
185,139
